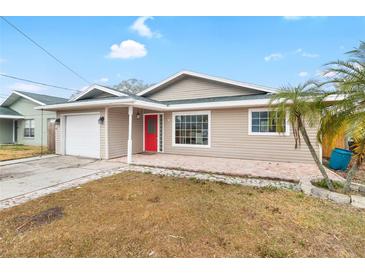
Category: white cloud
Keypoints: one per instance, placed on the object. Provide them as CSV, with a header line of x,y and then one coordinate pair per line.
x,y
2,60
26,87
293,18
127,49
297,51
142,29
303,74
103,80
303,53
273,57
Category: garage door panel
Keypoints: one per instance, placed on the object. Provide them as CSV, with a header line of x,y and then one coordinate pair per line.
x,y
83,135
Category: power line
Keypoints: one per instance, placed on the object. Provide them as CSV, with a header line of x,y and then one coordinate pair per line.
x,y
38,83
42,48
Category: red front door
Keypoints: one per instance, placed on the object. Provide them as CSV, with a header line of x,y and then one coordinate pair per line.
x,y
150,132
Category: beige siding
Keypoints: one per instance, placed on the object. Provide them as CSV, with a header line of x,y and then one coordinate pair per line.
x,y
229,138
118,132
59,130
193,88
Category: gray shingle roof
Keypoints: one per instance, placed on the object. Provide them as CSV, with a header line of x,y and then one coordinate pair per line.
x,y
134,96
217,99
45,99
8,112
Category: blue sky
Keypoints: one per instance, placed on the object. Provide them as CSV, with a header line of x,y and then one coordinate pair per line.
x,y
270,51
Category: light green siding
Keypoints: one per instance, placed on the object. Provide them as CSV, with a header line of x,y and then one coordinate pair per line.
x,y
26,108
6,131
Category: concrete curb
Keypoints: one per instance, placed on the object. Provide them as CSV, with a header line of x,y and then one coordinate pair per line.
x,y
339,198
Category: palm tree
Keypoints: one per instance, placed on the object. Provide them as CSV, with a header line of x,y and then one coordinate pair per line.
x,y
348,113
298,105
358,147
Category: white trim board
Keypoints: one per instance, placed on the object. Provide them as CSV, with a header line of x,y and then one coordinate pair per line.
x,y
206,77
287,125
21,95
11,117
102,88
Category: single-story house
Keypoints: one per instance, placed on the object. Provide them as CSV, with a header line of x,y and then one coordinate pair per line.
x,y
187,114
21,123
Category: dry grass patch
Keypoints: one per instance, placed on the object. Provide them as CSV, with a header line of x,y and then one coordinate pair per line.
x,y
141,215
12,152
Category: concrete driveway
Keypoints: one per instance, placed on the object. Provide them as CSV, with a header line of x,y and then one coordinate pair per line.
x,y
26,177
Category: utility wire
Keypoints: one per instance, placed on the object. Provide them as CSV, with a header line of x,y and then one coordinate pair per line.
x,y
38,83
42,48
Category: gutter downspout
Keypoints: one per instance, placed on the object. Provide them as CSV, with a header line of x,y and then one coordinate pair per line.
x,y
42,132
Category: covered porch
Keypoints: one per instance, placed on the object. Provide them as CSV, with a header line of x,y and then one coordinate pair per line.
x,y
8,125
234,167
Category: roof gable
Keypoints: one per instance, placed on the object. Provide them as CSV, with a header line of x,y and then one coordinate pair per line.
x,y
97,91
220,81
39,99
9,113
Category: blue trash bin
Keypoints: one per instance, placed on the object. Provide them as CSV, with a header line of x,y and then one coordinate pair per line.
x,y
340,159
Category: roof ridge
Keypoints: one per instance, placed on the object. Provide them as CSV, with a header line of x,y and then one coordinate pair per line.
x,y
27,92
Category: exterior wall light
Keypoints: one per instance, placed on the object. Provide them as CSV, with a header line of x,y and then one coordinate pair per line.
x,y
101,120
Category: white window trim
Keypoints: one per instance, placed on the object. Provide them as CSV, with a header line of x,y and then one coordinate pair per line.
x,y
287,125
28,137
162,131
208,112
158,131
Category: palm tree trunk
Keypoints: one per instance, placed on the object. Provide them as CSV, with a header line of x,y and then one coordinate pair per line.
x,y
304,133
349,177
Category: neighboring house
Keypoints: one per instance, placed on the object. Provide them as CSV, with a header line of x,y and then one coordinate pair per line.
x,y
21,123
187,114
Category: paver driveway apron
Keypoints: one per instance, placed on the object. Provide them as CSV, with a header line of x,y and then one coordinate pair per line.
x,y
21,178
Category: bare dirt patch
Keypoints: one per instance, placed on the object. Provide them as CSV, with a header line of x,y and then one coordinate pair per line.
x,y
24,223
142,215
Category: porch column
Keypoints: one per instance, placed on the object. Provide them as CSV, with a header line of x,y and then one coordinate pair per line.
x,y
130,144
14,131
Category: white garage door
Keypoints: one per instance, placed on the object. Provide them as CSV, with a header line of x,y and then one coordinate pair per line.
x,y
83,135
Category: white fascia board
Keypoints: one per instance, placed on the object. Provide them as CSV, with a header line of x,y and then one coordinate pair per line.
x,y
87,104
207,77
92,87
149,105
29,98
160,107
11,117
3,103
21,95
